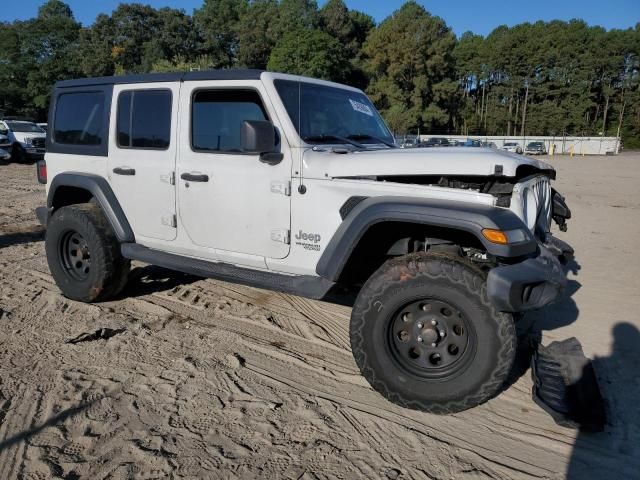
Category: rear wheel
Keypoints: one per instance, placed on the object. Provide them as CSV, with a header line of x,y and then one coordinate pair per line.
x,y
425,335
84,254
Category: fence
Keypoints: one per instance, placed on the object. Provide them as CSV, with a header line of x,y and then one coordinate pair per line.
x,y
561,145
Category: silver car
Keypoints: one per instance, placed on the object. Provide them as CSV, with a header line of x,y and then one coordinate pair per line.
x,y
512,147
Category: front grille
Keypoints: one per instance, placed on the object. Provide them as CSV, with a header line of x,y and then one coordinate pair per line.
x,y
531,201
38,142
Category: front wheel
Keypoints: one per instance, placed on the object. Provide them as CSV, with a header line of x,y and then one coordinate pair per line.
x,y
425,335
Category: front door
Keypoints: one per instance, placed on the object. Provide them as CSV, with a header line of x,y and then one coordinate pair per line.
x,y
229,200
142,156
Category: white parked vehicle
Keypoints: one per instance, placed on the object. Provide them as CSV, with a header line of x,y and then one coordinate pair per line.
x,y
512,147
5,147
296,185
26,138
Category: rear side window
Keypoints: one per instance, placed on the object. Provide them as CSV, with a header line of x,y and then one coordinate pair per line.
x,y
144,119
78,118
217,116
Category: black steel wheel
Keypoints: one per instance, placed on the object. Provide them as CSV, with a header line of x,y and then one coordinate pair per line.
x,y
74,255
425,335
431,338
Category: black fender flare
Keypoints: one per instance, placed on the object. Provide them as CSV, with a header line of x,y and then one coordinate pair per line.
x,y
103,195
467,217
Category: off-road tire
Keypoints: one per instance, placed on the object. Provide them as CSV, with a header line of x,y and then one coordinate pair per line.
x,y
443,278
108,270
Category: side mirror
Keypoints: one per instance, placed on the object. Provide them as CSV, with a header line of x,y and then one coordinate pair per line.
x,y
259,137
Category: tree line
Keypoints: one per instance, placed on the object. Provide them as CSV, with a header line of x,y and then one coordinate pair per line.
x,y
545,78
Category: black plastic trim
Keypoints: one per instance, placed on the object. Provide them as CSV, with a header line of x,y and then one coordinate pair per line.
x,y
101,150
228,74
103,195
350,204
468,217
303,285
528,285
42,213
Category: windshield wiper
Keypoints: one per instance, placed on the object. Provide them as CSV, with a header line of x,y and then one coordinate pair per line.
x,y
323,138
376,139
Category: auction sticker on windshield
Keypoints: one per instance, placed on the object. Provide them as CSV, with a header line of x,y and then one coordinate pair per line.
x,y
361,107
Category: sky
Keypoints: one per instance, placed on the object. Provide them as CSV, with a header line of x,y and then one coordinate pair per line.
x,y
460,15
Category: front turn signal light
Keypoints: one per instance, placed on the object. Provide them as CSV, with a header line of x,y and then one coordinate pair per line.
x,y
495,236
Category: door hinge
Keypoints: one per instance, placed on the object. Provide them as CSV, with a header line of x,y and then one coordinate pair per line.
x,y
281,187
170,221
282,236
170,179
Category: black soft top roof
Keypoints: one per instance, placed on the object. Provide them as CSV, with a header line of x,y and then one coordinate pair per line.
x,y
228,74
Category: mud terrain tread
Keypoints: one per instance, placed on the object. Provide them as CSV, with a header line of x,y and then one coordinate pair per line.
x,y
107,258
433,266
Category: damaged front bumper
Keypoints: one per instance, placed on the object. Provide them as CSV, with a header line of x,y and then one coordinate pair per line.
x,y
532,283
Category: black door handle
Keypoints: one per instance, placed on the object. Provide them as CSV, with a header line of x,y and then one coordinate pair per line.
x,y
124,171
195,177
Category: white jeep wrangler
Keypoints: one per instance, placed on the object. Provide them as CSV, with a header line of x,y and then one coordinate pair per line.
x,y
296,185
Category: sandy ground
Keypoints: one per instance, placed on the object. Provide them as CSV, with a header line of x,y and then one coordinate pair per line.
x,y
212,380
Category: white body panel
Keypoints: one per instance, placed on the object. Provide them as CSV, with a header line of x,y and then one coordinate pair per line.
x,y
417,161
317,212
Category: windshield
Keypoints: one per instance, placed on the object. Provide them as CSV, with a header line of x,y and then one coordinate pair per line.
x,y
24,127
324,114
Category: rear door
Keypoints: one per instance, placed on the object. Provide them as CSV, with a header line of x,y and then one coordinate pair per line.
x,y
142,156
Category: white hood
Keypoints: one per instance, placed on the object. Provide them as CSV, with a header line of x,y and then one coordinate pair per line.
x,y
323,163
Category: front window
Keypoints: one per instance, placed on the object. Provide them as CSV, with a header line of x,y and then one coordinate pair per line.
x,y
323,114
217,116
24,127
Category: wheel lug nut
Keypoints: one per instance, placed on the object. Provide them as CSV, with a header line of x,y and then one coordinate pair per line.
x,y
434,344
442,333
433,322
420,325
420,339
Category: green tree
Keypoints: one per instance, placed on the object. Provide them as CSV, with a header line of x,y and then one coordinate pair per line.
x,y
218,23
350,28
47,44
309,52
96,53
409,59
295,15
176,37
256,33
